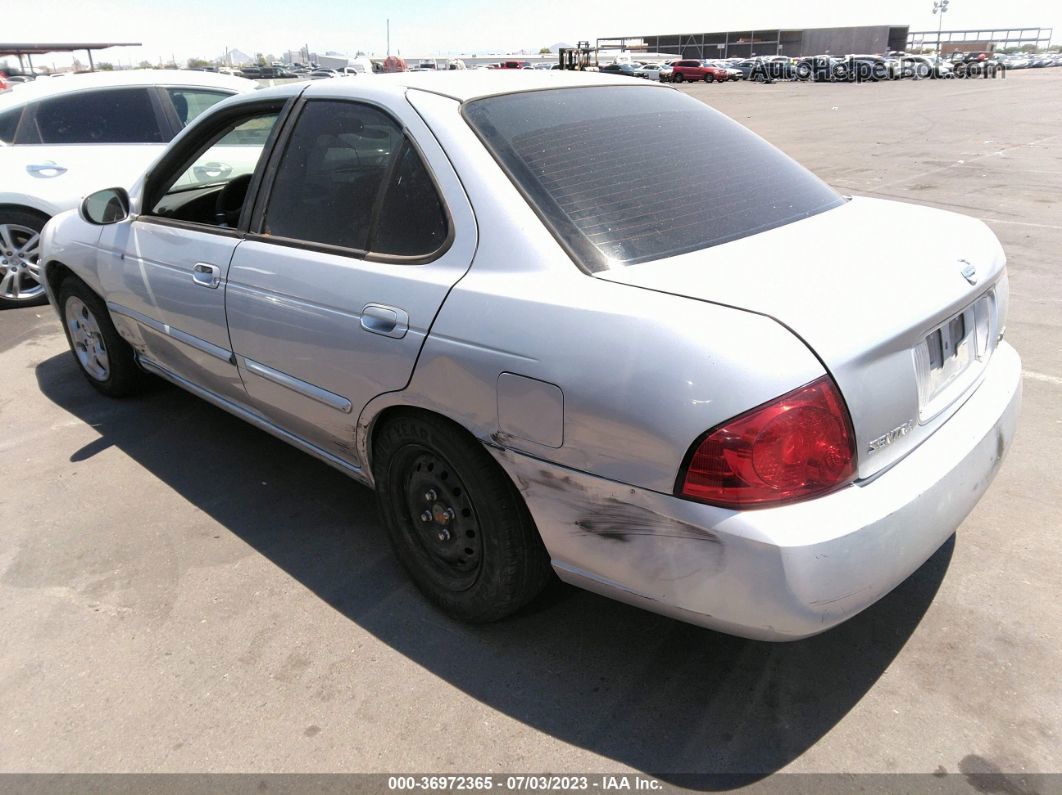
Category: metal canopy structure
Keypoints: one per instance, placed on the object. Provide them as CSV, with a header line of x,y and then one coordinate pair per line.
x,y
983,38
31,49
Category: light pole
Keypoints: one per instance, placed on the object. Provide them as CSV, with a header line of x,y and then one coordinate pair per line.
x,y
940,7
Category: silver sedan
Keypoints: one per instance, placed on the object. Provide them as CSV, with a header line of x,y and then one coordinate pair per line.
x,y
698,380
654,71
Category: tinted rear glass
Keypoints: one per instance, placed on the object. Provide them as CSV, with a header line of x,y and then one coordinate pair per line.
x,y
329,178
190,102
118,116
9,123
630,174
412,221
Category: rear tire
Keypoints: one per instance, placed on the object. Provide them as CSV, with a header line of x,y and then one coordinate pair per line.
x,y
455,520
104,358
20,258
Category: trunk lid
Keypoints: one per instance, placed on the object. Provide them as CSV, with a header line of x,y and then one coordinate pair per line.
x,y
877,291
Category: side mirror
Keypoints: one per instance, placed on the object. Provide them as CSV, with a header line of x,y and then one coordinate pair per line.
x,y
108,206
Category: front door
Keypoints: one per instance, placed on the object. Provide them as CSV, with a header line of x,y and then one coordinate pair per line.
x,y
363,231
165,270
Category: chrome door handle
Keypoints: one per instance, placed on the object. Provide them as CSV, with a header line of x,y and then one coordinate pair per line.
x,y
210,172
206,275
46,169
386,320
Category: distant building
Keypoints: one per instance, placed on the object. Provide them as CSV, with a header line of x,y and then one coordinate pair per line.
x,y
776,41
982,39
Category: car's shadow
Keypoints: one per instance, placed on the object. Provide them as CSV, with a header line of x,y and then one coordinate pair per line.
x,y
694,707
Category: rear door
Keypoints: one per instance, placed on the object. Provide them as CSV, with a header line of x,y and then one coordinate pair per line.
x,y
354,246
72,144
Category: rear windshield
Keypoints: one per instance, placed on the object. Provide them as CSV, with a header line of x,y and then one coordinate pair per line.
x,y
624,175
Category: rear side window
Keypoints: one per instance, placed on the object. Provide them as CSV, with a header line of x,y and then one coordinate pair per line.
x,y
349,178
8,124
412,221
190,102
329,179
118,116
593,163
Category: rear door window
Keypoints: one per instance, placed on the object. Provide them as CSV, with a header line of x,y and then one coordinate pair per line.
x,y
190,102
349,177
109,116
8,124
412,221
329,179
589,161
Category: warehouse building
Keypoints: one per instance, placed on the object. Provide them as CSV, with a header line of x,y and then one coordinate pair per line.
x,y
749,43
949,41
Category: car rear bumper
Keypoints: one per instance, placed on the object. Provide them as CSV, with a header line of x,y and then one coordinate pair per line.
x,y
781,573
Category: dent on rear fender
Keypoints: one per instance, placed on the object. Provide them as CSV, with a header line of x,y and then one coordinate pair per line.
x,y
604,527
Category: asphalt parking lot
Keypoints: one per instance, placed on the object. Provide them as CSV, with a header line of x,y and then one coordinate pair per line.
x,y
182,592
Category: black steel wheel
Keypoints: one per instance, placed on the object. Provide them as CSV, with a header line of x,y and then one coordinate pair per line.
x,y
443,518
455,520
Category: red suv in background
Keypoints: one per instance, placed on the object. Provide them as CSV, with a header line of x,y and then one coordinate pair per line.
x,y
691,69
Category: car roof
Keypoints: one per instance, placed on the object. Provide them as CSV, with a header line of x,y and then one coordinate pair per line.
x,y
469,84
54,86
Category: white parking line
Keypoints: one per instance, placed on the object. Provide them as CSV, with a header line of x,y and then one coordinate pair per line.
x,y
1020,223
966,161
1047,379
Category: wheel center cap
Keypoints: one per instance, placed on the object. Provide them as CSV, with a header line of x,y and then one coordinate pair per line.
x,y
440,514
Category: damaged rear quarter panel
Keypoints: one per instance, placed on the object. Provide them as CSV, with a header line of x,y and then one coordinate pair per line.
x,y
614,531
643,374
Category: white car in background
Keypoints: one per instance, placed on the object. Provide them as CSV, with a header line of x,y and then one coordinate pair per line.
x,y
654,71
62,139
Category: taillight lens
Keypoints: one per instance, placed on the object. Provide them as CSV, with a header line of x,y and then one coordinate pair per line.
x,y
798,446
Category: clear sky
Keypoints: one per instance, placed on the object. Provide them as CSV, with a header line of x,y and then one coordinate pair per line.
x,y
203,28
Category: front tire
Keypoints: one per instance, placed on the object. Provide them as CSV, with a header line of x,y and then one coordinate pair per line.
x,y
104,358
678,78
20,243
456,522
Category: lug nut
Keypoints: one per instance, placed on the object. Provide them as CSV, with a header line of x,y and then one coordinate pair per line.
x,y
426,516
443,535
429,495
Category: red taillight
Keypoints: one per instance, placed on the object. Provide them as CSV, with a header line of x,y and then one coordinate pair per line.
x,y
797,446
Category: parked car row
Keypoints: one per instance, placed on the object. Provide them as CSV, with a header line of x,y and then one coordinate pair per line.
x,y
1031,60
830,68
296,71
